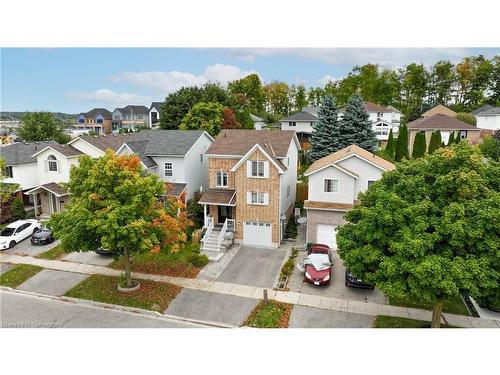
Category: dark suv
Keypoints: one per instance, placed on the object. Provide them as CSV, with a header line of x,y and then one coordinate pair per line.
x,y
353,281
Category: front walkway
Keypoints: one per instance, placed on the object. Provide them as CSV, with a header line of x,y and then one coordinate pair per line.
x,y
328,303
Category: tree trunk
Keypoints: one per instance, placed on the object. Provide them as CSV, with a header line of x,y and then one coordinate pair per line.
x,y
128,275
436,314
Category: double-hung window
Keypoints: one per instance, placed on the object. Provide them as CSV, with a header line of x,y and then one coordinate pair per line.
x,y
258,198
52,163
292,123
257,168
169,168
8,172
331,185
221,179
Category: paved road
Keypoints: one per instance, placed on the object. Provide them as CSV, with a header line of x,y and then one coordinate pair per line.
x,y
310,317
23,310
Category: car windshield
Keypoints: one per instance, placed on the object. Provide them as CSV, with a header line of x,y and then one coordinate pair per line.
x,y
7,232
45,229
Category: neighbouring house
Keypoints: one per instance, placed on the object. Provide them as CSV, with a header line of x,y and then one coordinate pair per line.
x,y
445,124
488,118
302,124
176,156
439,110
258,123
252,186
97,120
21,166
334,184
154,114
130,117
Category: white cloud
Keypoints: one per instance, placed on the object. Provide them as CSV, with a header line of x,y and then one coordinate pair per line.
x,y
106,96
358,56
166,82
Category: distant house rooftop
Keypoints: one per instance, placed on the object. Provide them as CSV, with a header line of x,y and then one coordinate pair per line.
x,y
440,122
483,108
18,153
439,109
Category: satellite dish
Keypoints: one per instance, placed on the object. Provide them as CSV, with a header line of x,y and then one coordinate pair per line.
x,y
302,220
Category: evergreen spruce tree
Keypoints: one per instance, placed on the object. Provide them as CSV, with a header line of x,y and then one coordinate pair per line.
x,y
435,141
402,144
389,149
419,145
457,138
325,133
17,209
356,127
451,140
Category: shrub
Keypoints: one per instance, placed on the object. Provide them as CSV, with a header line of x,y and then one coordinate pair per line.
x,y
466,117
291,228
195,210
287,268
17,209
490,147
197,260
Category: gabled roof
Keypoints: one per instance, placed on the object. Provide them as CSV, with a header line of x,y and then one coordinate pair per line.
x,y
67,150
238,142
372,107
98,111
481,109
139,148
301,116
440,122
311,110
268,152
439,109
135,109
495,111
352,150
394,109
256,118
156,105
18,153
52,187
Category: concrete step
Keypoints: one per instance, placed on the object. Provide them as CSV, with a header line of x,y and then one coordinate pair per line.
x,y
213,256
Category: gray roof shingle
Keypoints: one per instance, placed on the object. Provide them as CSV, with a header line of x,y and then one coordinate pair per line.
x,y
483,108
490,112
22,153
301,116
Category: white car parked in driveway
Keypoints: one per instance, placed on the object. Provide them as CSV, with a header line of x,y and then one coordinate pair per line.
x,y
17,231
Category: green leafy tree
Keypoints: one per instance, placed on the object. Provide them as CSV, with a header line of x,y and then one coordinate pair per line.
x,y
402,144
419,145
17,209
326,130
277,98
247,93
204,116
490,147
114,205
466,117
451,139
435,141
300,98
42,126
428,230
355,126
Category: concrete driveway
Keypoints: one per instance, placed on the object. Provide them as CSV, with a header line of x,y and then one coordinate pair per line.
x,y
336,288
4,267
310,317
89,257
254,266
25,248
211,307
52,282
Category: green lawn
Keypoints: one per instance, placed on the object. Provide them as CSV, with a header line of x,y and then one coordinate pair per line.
x,y
54,253
383,321
185,263
18,275
150,296
271,315
454,306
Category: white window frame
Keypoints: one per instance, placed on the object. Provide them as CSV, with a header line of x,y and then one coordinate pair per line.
x,y
52,164
331,179
292,123
221,173
463,134
170,170
257,201
259,162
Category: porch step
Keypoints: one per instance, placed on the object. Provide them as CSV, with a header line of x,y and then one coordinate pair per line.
x,y
213,256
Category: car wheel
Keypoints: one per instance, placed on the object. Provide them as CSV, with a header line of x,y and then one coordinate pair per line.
x,y
12,244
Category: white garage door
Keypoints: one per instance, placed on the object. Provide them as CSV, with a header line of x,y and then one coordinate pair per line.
x,y
257,233
326,234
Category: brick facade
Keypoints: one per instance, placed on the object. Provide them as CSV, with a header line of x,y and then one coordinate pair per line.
x,y
221,164
315,217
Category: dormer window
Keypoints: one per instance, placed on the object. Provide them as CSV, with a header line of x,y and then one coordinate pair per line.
x,y
257,168
52,163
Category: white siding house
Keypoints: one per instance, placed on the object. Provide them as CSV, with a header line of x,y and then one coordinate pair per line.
x,y
489,119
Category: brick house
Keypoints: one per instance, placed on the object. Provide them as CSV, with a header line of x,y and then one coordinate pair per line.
x,y
334,184
252,184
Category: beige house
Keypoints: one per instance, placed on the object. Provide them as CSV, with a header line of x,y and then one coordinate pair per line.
x,y
334,184
445,124
252,177
439,110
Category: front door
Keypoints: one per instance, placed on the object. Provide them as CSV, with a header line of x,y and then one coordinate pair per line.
x,y
224,212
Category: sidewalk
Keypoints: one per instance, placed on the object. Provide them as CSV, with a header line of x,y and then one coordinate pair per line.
x,y
295,298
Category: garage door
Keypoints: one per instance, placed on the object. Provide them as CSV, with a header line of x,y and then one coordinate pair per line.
x,y
326,234
257,233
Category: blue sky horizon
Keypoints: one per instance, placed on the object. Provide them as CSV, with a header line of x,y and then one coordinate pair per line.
x,y
74,80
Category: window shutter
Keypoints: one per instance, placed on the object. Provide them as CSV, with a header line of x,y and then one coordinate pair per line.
x,y
249,168
249,197
266,169
266,199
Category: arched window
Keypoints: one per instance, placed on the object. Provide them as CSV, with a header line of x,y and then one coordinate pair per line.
x,y
52,163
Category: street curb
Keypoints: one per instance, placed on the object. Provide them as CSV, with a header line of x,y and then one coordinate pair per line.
x,y
126,309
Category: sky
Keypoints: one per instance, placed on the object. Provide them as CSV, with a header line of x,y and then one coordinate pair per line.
x,y
74,80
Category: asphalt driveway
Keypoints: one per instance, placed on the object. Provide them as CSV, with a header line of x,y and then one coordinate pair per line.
x,y
310,317
211,307
25,248
254,266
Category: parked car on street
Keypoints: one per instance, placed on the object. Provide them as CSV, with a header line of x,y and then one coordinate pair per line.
x,y
353,281
317,266
42,237
18,231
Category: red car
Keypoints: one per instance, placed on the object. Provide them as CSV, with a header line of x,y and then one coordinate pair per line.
x,y
319,255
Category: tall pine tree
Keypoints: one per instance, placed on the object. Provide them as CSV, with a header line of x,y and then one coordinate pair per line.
x,y
356,127
435,141
419,145
451,140
402,144
390,147
326,130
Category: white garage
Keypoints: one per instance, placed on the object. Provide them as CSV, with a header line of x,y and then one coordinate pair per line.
x,y
257,233
327,234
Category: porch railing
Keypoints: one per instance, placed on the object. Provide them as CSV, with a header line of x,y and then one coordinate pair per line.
x,y
221,235
210,228
208,220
